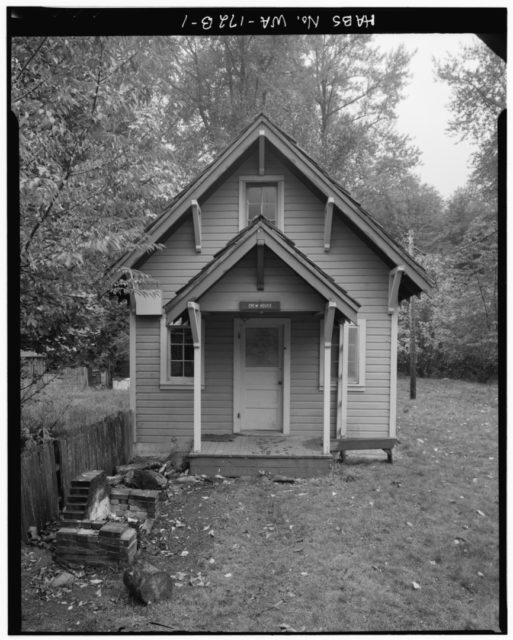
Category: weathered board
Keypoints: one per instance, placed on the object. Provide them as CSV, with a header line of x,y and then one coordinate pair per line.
x,y
234,466
39,491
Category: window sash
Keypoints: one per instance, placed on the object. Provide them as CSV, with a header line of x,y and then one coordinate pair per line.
x,y
356,339
167,380
261,194
180,352
262,199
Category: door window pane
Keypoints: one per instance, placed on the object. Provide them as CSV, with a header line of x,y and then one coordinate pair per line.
x,y
262,346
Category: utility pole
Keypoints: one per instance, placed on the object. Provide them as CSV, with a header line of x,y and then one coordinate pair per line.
x,y
411,318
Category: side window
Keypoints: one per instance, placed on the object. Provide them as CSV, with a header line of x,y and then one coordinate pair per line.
x,y
261,196
177,355
353,362
355,337
181,352
355,341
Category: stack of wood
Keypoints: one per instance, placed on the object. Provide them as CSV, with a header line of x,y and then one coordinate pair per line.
x,y
96,543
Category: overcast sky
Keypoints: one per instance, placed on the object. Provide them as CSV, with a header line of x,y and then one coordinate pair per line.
x,y
424,112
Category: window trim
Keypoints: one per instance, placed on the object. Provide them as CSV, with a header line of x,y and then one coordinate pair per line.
x,y
279,180
175,382
362,341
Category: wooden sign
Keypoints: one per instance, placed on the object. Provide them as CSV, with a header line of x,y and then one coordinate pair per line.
x,y
259,306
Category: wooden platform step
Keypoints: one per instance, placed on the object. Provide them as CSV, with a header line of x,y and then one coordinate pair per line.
x,y
236,466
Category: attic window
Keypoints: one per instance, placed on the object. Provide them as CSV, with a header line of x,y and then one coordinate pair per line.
x,y
261,196
262,200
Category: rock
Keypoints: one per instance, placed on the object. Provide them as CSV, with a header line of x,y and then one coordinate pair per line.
x,y
147,479
147,583
33,534
62,579
178,461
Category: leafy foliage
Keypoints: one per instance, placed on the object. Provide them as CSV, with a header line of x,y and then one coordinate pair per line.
x,y
89,163
477,79
111,128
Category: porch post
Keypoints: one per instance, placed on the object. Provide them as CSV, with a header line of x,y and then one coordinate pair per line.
x,y
195,321
343,366
393,310
329,317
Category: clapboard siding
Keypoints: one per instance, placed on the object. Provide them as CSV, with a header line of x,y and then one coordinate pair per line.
x,y
161,413
306,399
280,282
350,262
217,397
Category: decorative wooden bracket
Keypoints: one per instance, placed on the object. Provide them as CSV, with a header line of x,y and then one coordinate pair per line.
x,y
328,219
329,317
195,321
394,281
261,152
260,264
196,220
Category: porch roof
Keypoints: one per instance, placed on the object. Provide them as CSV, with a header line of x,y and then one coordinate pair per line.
x,y
261,230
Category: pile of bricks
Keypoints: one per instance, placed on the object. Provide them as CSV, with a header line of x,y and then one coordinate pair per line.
x,y
138,503
96,543
88,497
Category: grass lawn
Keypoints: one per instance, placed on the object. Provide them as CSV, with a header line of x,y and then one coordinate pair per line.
x,y
59,408
411,546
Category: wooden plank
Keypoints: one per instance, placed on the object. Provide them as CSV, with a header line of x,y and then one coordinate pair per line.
x,y
240,466
328,219
353,444
260,283
261,152
195,322
39,497
196,223
393,288
329,316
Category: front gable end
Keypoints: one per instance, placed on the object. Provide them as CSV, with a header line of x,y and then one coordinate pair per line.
x,y
265,173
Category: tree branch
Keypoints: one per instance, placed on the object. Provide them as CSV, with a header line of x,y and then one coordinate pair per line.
x,y
20,73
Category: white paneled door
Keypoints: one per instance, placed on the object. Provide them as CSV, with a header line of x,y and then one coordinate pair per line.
x,y
263,374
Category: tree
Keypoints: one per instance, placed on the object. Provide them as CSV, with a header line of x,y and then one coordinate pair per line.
x,y
406,204
355,88
336,95
477,79
90,157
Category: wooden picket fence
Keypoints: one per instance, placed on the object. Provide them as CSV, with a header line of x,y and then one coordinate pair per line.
x,y
39,487
99,446
47,470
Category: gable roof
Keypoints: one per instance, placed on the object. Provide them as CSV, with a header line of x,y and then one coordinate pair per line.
x,y
415,279
261,230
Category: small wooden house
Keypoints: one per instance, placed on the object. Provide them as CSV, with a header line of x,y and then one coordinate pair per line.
x,y
268,337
